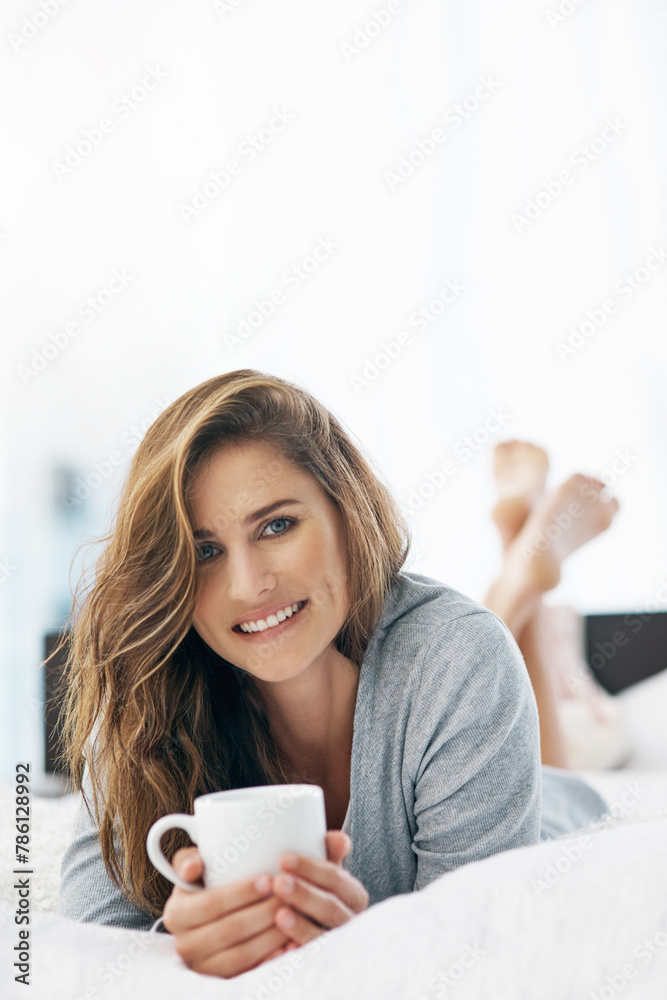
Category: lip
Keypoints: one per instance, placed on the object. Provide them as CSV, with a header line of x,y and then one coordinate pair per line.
x,y
264,614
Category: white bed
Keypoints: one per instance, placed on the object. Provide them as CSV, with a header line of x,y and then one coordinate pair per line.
x,y
556,921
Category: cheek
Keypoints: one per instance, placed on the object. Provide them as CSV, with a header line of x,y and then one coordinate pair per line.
x,y
332,578
204,611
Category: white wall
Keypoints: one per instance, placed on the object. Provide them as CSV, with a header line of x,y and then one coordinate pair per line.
x,y
218,76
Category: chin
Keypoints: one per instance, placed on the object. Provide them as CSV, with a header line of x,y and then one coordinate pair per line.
x,y
272,670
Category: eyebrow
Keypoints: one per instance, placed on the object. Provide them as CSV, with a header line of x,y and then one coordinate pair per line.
x,y
250,519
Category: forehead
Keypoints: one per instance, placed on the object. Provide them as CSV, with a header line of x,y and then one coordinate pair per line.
x,y
235,478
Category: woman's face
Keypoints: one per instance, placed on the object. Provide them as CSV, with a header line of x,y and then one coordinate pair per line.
x,y
259,554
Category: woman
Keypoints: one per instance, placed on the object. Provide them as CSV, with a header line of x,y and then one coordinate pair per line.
x,y
406,701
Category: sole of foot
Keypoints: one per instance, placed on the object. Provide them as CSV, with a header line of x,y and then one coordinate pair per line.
x,y
560,524
520,472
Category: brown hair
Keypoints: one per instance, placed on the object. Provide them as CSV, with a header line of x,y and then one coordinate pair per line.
x,y
156,715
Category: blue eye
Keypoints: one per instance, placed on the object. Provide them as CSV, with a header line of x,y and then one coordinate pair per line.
x,y
288,521
198,551
277,520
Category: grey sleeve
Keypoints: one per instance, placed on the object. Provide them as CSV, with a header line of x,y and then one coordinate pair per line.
x,y
568,803
474,734
87,893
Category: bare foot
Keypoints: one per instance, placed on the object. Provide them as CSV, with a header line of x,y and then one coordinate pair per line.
x,y
561,522
520,472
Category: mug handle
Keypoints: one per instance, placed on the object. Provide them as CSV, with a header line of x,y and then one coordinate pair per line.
x,y
180,821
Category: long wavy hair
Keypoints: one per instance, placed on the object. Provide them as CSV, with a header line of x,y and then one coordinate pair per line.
x,y
153,713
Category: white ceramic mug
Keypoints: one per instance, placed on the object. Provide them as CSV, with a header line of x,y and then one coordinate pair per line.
x,y
242,832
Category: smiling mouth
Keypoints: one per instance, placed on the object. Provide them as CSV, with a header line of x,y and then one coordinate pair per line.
x,y
270,629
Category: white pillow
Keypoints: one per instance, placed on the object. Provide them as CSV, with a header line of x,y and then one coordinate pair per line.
x,y
644,713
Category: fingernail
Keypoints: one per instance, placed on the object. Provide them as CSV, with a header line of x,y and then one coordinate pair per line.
x,y
287,919
289,860
263,883
287,883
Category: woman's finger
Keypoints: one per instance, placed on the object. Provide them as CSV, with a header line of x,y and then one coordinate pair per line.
x,y
187,863
200,944
185,910
297,926
322,907
288,946
329,876
247,955
338,846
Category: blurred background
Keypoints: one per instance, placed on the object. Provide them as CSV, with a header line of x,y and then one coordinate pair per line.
x,y
445,220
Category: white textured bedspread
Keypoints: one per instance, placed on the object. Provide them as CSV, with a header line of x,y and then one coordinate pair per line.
x,y
581,917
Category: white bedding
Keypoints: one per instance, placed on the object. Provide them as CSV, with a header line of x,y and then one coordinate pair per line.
x,y
519,936
520,940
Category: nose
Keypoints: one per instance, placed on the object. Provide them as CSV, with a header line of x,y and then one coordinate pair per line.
x,y
249,577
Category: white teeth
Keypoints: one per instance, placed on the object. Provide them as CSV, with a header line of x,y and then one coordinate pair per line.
x,y
271,621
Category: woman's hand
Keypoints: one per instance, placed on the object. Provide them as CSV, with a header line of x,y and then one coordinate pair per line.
x,y
225,930
324,895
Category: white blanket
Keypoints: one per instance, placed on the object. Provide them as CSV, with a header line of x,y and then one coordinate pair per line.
x,y
561,920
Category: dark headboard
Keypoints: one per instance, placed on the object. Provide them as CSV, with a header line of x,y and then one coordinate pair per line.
x,y
623,649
